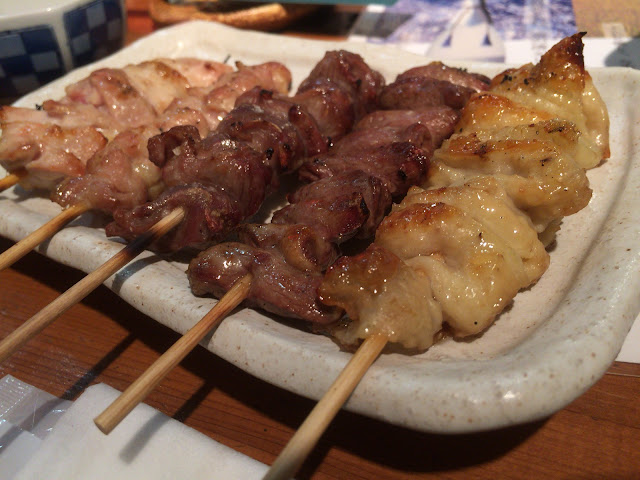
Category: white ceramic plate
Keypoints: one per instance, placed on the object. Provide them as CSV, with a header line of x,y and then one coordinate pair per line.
x,y
556,341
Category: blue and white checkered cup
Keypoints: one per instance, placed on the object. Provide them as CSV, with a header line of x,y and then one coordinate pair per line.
x,y
41,40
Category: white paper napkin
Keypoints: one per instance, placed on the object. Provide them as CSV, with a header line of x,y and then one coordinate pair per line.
x,y
146,445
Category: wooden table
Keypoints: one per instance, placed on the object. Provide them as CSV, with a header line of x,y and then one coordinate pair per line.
x,y
103,339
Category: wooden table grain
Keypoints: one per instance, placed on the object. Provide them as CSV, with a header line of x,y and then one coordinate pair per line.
x,y
103,339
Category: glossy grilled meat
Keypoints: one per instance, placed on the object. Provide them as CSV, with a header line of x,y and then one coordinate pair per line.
x,y
143,99
278,130
351,190
349,73
51,153
457,252
431,85
282,289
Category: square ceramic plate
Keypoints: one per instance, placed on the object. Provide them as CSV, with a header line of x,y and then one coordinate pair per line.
x,y
554,343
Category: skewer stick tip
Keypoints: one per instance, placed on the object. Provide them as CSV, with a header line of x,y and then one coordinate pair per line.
x,y
301,444
12,179
142,387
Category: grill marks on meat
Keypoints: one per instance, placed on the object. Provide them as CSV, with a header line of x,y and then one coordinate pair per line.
x,y
264,131
350,191
234,160
457,252
276,126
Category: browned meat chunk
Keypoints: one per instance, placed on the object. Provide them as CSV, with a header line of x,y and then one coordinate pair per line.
x,y
276,287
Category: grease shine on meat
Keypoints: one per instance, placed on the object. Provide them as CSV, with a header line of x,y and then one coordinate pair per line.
x,y
454,253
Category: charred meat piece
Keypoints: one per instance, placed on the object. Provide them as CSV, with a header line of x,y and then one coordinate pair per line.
x,y
421,92
274,125
330,106
119,175
235,167
48,152
341,206
438,120
302,246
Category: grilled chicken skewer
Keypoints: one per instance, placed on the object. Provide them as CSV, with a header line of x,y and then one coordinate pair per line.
x,y
357,202
457,252
120,173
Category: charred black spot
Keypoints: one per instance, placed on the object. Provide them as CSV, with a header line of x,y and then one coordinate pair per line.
x,y
269,153
402,174
506,78
363,207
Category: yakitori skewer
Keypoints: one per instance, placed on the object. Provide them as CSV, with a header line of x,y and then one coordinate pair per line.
x,y
73,295
486,233
211,91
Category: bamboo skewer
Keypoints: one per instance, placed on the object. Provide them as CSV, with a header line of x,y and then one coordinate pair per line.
x,y
39,321
303,441
31,241
11,179
138,390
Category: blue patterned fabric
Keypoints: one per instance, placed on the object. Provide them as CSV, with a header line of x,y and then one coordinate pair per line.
x,y
29,58
94,30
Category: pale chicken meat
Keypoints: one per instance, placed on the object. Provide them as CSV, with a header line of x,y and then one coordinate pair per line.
x,y
142,99
271,76
560,85
118,175
49,153
453,254
468,250
536,164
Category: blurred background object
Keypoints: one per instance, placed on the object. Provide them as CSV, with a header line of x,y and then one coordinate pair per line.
x,y
262,16
470,35
41,40
522,30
